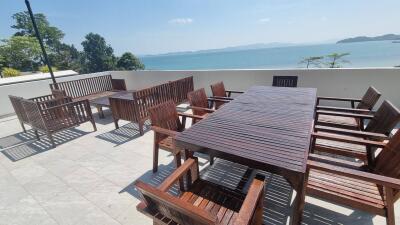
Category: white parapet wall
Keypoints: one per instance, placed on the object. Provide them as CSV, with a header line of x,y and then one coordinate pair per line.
x,y
329,82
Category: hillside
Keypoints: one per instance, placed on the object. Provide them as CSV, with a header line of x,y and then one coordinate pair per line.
x,y
387,37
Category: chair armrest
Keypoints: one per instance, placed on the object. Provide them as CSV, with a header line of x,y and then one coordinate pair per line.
x,y
339,99
335,161
365,176
355,115
70,104
221,98
369,135
343,109
212,99
164,131
201,109
349,140
251,202
189,164
236,92
191,116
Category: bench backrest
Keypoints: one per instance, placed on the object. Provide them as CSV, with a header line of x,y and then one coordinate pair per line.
x,y
284,81
369,99
198,98
180,89
385,119
84,87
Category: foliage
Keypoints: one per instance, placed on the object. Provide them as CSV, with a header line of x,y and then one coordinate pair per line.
x,y
45,69
128,61
312,61
97,54
335,60
66,57
21,52
51,35
10,72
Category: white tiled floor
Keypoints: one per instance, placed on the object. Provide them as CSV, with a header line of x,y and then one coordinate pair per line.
x,y
87,179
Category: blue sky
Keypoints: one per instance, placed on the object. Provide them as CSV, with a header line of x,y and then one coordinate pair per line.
x,y
159,26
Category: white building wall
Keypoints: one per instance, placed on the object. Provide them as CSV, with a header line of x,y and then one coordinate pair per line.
x,y
329,82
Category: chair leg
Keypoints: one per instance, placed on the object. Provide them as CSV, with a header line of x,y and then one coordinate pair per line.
x,y
390,216
211,159
53,144
94,125
23,127
155,157
178,164
37,134
116,124
141,128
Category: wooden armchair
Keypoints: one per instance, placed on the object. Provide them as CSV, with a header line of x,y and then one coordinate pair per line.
x,y
166,125
203,203
379,128
219,92
374,191
364,106
200,104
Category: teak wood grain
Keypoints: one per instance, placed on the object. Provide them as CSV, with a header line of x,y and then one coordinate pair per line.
x,y
267,128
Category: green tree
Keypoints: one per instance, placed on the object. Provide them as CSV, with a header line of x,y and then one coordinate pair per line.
x,y
21,52
66,57
312,61
51,35
128,61
335,60
97,54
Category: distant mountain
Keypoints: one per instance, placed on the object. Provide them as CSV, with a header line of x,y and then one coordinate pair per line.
x,y
387,37
231,49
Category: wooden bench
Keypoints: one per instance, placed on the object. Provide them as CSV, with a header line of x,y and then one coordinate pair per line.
x,y
203,203
52,115
136,109
89,88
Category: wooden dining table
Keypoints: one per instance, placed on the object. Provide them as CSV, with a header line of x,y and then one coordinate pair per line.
x,y
265,128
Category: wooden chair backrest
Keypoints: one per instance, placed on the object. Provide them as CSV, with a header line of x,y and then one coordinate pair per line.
x,y
84,87
369,99
388,160
284,81
198,98
218,89
173,208
165,116
18,108
385,119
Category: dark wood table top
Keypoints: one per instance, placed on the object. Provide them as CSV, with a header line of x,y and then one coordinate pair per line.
x,y
267,126
102,99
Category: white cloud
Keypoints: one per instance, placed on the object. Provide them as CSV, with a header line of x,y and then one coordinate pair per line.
x,y
264,20
182,21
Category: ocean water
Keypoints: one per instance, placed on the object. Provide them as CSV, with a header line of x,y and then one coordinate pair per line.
x,y
362,54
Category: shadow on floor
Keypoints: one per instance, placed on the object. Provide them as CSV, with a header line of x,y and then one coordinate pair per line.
x,y
278,197
22,145
124,134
